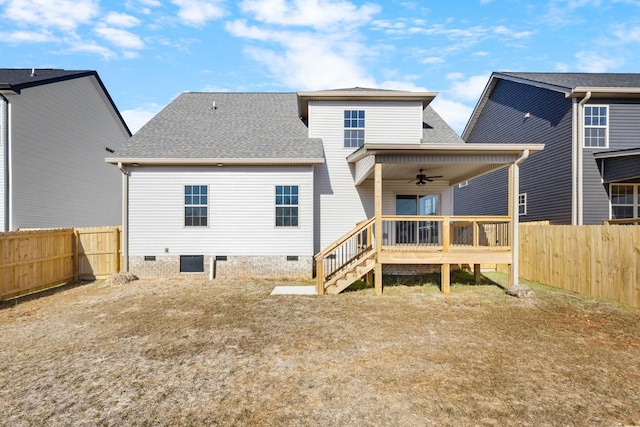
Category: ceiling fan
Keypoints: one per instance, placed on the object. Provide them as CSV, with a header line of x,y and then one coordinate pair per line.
x,y
422,179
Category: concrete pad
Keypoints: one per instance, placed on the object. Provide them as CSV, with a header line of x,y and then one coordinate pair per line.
x,y
294,290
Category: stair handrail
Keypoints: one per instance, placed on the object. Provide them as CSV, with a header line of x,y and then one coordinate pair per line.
x,y
357,229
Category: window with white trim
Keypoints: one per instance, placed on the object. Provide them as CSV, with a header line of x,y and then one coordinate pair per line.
x,y
286,205
353,128
625,201
522,204
596,128
196,205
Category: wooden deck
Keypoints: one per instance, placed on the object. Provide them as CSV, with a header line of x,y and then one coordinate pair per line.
x,y
439,240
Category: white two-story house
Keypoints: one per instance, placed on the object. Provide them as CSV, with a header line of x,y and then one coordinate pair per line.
x,y
339,183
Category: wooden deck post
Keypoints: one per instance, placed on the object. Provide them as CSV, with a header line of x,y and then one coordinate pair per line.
x,y
445,278
378,226
476,273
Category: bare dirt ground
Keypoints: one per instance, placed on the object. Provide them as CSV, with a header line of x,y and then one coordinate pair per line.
x,y
194,352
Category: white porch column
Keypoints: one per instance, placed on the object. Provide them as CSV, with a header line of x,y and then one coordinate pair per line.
x,y
514,177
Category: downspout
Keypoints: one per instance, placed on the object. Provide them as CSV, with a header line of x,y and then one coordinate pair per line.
x,y
574,161
580,191
515,220
5,137
125,216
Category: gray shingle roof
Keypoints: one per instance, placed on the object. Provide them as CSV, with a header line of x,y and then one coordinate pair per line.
x,y
573,80
20,78
436,131
241,126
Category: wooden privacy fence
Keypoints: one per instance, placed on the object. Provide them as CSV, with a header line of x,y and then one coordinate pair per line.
x,y
32,260
598,260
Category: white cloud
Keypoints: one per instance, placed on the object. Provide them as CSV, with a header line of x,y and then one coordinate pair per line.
x,y
456,114
27,37
469,89
481,53
119,37
90,47
309,13
63,14
138,117
624,34
432,60
504,31
591,62
121,20
198,12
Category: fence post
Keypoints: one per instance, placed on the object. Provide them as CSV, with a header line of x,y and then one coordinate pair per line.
x,y
76,255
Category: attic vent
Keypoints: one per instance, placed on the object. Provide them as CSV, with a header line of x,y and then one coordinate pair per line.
x,y
109,150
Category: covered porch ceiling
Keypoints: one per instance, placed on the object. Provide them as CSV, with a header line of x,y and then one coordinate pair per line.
x,y
456,163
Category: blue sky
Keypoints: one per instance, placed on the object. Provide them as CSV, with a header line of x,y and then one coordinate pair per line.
x,y
149,51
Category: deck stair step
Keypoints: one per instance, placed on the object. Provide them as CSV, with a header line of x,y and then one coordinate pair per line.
x,y
351,273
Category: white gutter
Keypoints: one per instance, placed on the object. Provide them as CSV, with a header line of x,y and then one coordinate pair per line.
x,y
125,216
4,142
214,161
515,220
580,189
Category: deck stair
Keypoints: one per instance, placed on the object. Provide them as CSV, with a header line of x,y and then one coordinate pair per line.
x,y
346,260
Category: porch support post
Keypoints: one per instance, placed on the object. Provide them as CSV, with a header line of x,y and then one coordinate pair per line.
x,y
477,274
378,226
510,204
445,278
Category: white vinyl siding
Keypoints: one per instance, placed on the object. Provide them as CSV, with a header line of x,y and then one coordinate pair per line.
x,y
59,178
241,211
340,205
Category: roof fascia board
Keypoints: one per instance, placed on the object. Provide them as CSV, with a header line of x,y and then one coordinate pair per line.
x,y
480,148
354,95
603,92
535,83
617,153
213,161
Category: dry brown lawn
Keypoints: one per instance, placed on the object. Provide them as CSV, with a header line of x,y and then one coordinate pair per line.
x,y
194,352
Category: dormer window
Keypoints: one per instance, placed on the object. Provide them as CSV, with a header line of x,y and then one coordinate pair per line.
x,y
353,128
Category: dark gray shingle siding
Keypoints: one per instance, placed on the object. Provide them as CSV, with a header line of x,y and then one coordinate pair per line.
x,y
545,176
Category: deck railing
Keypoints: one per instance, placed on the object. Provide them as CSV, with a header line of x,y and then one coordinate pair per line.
x,y
444,232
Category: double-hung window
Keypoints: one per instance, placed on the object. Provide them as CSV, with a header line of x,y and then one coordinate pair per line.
x,y
596,126
353,128
625,201
286,205
195,205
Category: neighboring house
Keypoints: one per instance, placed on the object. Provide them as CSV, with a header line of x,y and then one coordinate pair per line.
x,y
255,184
56,126
590,169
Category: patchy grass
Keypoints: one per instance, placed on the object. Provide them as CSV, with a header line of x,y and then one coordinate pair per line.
x,y
189,352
